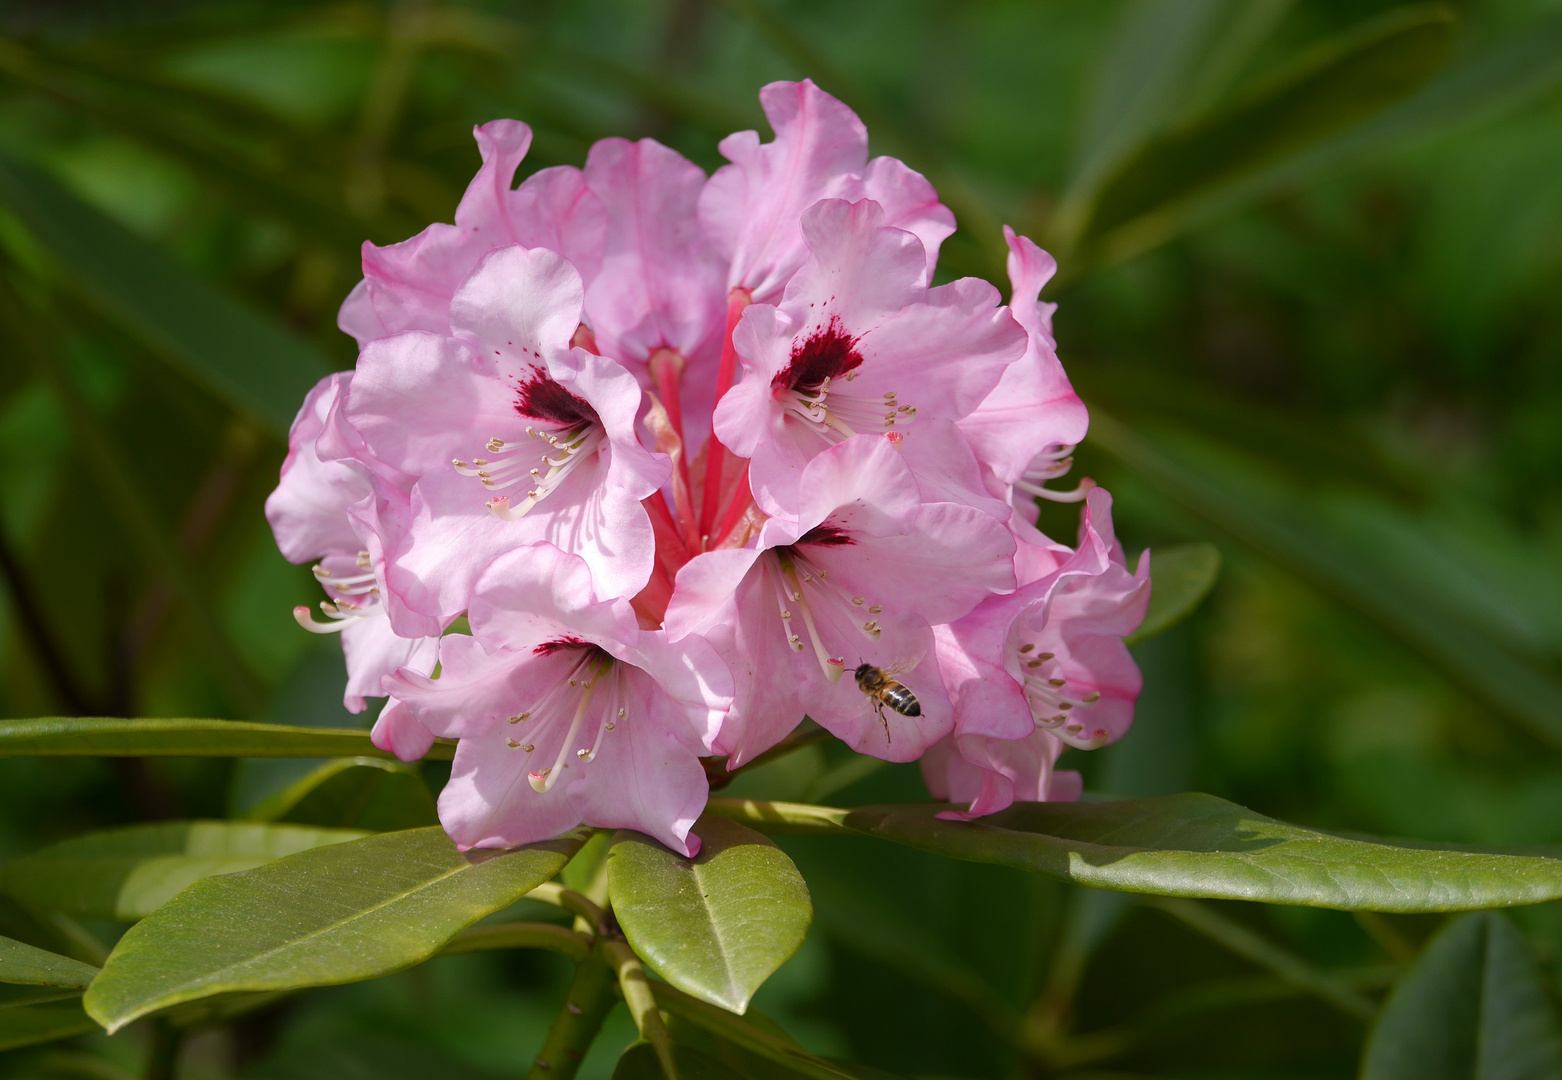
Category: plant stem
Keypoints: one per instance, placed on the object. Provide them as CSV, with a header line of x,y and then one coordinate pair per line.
x,y
782,817
570,1036
162,1056
636,988
520,935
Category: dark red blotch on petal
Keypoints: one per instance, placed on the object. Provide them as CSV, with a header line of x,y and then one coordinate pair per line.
x,y
548,648
828,353
542,397
825,535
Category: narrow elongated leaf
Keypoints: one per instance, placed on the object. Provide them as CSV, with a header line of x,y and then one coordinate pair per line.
x,y
242,357
1200,846
29,1025
64,736
717,925
126,874
360,793
1474,1007
1334,87
1182,576
331,915
22,963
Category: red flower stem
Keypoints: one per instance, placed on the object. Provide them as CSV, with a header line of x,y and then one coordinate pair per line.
x,y
726,375
742,499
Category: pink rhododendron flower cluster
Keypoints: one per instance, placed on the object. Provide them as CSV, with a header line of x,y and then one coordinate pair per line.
x,y
696,457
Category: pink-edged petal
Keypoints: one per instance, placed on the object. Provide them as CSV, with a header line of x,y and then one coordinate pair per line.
x,y
992,774
752,207
308,510
398,732
660,286
909,203
373,651
1034,408
519,305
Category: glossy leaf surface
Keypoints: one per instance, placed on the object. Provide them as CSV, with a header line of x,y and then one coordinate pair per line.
x,y
1200,846
360,793
65,736
1474,1007
22,963
1181,577
718,925
126,874
332,915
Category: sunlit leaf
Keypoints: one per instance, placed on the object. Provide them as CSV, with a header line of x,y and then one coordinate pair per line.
x,y
56,736
126,874
26,965
359,793
331,915
1200,846
242,357
29,1025
1182,576
1474,1007
718,925
1332,88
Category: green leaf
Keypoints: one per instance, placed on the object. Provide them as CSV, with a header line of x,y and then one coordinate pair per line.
x,y
332,915
33,1024
15,996
717,925
639,1063
126,874
56,736
738,1040
1474,1007
1181,576
1330,89
361,793
21,963
1200,846
242,357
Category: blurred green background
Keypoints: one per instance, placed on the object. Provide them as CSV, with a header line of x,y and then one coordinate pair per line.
x,y
1311,254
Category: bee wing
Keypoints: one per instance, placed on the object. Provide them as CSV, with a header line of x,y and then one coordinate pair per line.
x,y
901,666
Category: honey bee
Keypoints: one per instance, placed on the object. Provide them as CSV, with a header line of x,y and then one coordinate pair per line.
x,y
882,689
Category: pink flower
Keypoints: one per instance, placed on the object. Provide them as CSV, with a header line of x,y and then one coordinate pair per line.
x,y
567,711
316,515
408,286
1044,662
858,344
992,774
1028,426
511,437
856,579
752,209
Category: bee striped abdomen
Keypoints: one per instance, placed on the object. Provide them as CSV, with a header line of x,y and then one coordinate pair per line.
x,y
902,700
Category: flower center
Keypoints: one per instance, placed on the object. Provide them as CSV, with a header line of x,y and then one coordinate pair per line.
x,y
815,387
354,597
1053,700
512,463
805,593
578,711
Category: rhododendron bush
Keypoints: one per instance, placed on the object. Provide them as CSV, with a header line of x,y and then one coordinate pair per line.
x,y
652,489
